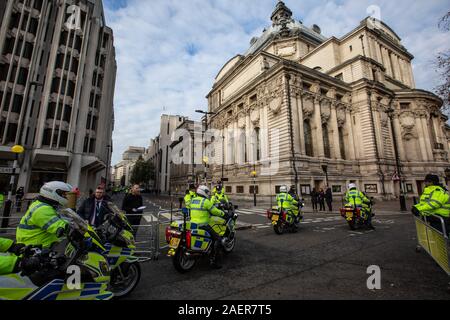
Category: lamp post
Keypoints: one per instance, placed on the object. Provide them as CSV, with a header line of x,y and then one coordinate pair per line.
x,y
223,155
17,149
108,147
205,158
254,174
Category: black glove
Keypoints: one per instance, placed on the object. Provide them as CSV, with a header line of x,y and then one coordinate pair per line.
x,y
17,249
30,265
415,211
75,235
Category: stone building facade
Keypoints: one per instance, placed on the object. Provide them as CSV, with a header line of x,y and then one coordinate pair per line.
x,y
300,108
57,79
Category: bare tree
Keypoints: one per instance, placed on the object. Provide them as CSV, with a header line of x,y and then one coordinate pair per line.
x,y
443,65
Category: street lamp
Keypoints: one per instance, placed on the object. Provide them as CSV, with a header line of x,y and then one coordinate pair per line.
x,y
17,149
205,113
254,174
109,147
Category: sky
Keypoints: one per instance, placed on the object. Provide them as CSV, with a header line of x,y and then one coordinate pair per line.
x,y
169,51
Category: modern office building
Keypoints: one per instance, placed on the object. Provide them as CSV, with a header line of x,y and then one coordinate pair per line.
x,y
57,79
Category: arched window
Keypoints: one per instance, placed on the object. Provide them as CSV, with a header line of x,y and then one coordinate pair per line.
x,y
256,144
342,142
326,141
308,138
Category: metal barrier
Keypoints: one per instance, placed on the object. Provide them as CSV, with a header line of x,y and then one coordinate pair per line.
x,y
165,219
435,242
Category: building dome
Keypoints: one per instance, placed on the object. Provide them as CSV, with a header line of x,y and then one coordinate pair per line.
x,y
284,26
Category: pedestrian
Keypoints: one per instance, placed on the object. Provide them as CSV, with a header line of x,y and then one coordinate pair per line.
x,y
322,200
314,199
329,198
131,204
95,208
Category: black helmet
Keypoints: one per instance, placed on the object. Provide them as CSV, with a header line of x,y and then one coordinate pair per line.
x,y
432,178
192,186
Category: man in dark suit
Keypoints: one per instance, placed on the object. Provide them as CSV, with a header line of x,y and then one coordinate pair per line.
x,y
95,208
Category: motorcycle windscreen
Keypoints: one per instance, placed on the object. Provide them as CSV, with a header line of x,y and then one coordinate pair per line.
x,y
15,287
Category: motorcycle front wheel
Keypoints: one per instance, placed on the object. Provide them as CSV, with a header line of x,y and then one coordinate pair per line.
x,y
352,224
228,247
278,228
124,280
182,262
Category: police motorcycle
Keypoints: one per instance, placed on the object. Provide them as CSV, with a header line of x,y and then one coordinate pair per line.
x,y
355,216
56,278
283,220
119,243
188,243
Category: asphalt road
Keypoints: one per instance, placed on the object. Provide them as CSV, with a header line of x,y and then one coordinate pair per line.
x,y
324,260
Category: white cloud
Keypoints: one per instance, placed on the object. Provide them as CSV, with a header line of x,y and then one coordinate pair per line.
x,y
169,51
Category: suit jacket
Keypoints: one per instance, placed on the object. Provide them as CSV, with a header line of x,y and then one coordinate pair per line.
x,y
87,211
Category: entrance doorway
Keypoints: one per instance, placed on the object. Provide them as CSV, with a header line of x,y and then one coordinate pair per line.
x,y
419,186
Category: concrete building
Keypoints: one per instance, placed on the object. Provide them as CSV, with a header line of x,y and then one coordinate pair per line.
x,y
57,79
160,154
326,111
125,167
187,165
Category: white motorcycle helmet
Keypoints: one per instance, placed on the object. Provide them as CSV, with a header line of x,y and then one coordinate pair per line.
x,y
56,191
204,192
351,186
283,189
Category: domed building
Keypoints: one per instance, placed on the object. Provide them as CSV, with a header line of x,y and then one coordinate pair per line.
x,y
301,108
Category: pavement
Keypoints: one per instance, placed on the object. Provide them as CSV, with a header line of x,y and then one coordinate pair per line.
x,y
324,260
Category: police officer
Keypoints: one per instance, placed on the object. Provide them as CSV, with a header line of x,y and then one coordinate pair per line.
x,y
10,261
434,201
356,198
201,210
41,224
190,194
286,201
219,195
295,207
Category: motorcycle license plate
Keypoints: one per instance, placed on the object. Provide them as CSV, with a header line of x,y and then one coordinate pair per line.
x,y
174,243
275,218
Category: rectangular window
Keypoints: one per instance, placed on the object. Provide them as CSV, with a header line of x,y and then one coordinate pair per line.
x,y
305,189
240,189
228,189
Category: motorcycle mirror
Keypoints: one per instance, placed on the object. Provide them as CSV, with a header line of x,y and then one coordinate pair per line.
x,y
236,207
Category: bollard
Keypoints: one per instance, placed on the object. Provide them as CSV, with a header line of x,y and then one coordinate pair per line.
x,y
6,214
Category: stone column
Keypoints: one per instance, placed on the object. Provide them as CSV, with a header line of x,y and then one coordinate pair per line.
x,y
428,141
350,137
335,129
299,102
296,123
319,148
421,135
398,132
